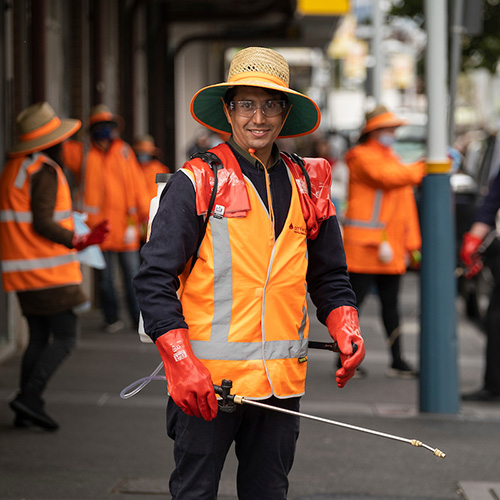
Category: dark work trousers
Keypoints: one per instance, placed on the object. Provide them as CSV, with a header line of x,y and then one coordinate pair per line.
x,y
52,338
265,442
108,296
492,370
388,290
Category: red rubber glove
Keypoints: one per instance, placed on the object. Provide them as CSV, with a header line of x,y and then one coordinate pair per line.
x,y
469,254
343,327
95,237
189,382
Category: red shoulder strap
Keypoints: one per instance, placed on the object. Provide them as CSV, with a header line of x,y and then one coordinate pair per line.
x,y
231,197
317,207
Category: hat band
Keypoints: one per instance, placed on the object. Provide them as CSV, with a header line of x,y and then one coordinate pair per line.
x,y
381,120
41,131
252,75
102,117
144,146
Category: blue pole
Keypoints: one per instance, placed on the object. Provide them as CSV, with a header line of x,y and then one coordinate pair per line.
x,y
438,349
438,343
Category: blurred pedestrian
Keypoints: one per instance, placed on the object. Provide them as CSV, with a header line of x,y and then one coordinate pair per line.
x,y
381,227
113,187
241,311
39,253
203,141
148,157
473,256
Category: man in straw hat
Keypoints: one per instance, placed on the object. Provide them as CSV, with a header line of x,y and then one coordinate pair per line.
x,y
113,187
381,228
224,277
39,253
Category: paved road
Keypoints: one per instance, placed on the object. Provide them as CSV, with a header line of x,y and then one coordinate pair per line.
x,y
110,448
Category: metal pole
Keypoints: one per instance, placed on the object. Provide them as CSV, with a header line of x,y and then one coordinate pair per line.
x,y
227,402
457,30
377,50
438,350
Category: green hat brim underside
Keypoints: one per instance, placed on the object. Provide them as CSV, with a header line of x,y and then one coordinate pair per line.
x,y
207,108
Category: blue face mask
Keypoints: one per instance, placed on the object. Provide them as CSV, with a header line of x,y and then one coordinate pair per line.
x,y
387,140
144,158
101,132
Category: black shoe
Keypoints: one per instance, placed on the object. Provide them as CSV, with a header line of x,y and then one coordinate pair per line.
x,y
30,409
482,395
22,422
401,369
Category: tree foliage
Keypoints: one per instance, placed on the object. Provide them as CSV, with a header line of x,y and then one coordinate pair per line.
x,y
479,51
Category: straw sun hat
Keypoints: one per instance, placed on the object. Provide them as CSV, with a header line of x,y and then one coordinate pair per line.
x,y
256,67
40,128
379,118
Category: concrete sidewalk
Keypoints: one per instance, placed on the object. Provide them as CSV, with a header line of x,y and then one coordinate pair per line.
x,y
111,448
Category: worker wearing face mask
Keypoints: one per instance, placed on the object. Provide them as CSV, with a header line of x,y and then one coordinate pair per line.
x,y
112,187
381,228
148,157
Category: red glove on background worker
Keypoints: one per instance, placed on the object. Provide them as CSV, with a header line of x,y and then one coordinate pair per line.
x,y
188,380
95,237
343,327
469,254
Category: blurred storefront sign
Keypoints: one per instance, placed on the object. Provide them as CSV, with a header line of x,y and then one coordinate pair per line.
x,y
403,70
323,7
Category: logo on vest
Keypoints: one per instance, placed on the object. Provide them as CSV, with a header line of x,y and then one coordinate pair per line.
x,y
298,229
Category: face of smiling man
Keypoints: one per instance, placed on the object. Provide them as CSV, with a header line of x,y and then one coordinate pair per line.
x,y
257,132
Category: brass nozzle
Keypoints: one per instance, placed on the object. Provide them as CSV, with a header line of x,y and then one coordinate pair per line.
x,y
439,453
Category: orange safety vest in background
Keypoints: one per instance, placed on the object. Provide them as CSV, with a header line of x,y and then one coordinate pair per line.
x,y
381,206
114,188
245,298
30,261
150,169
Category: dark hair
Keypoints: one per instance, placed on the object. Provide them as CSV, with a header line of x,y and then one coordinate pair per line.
x,y
231,92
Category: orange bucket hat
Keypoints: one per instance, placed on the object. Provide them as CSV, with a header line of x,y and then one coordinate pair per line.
x,y
40,128
256,67
102,114
379,118
146,144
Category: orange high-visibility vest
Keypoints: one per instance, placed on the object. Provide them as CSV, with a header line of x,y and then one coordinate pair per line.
x,y
30,261
113,188
245,298
150,169
381,207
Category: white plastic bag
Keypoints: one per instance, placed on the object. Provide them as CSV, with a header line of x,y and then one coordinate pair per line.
x,y
92,255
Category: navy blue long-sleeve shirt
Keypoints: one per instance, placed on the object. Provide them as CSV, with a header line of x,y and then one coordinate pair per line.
x,y
174,239
487,212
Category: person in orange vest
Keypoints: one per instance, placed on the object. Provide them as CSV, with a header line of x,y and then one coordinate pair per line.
x,y
147,156
242,233
38,248
381,229
112,187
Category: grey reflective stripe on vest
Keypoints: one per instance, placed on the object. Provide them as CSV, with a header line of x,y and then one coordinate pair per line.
x,y
40,263
23,171
27,217
219,347
90,209
223,280
242,351
374,223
